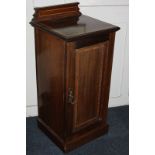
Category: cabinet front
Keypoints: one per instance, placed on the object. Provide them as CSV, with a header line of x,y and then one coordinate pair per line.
x,y
85,70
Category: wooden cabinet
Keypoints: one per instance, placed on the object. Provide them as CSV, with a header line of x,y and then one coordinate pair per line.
x,y
74,56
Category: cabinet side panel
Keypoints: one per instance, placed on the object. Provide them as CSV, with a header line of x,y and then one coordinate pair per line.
x,y
50,64
107,68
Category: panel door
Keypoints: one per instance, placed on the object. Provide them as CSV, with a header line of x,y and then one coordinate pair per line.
x,y
85,70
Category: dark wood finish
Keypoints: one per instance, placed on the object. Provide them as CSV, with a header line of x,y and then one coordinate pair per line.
x,y
88,78
69,25
57,11
75,28
73,65
50,80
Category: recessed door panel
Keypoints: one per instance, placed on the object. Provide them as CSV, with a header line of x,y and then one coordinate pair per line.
x,y
88,78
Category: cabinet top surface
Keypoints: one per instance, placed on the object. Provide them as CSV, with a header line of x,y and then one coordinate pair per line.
x,y
74,27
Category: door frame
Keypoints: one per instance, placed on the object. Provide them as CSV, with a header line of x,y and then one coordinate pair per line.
x,y
70,83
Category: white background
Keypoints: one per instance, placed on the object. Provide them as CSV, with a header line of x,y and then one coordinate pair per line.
x,y
13,78
112,11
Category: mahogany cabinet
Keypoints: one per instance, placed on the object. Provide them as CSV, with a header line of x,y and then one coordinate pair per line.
x,y
74,56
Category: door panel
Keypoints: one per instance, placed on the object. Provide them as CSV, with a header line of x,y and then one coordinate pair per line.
x,y
88,70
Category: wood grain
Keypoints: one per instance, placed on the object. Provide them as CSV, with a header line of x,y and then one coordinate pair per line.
x,y
56,11
50,79
88,77
81,64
